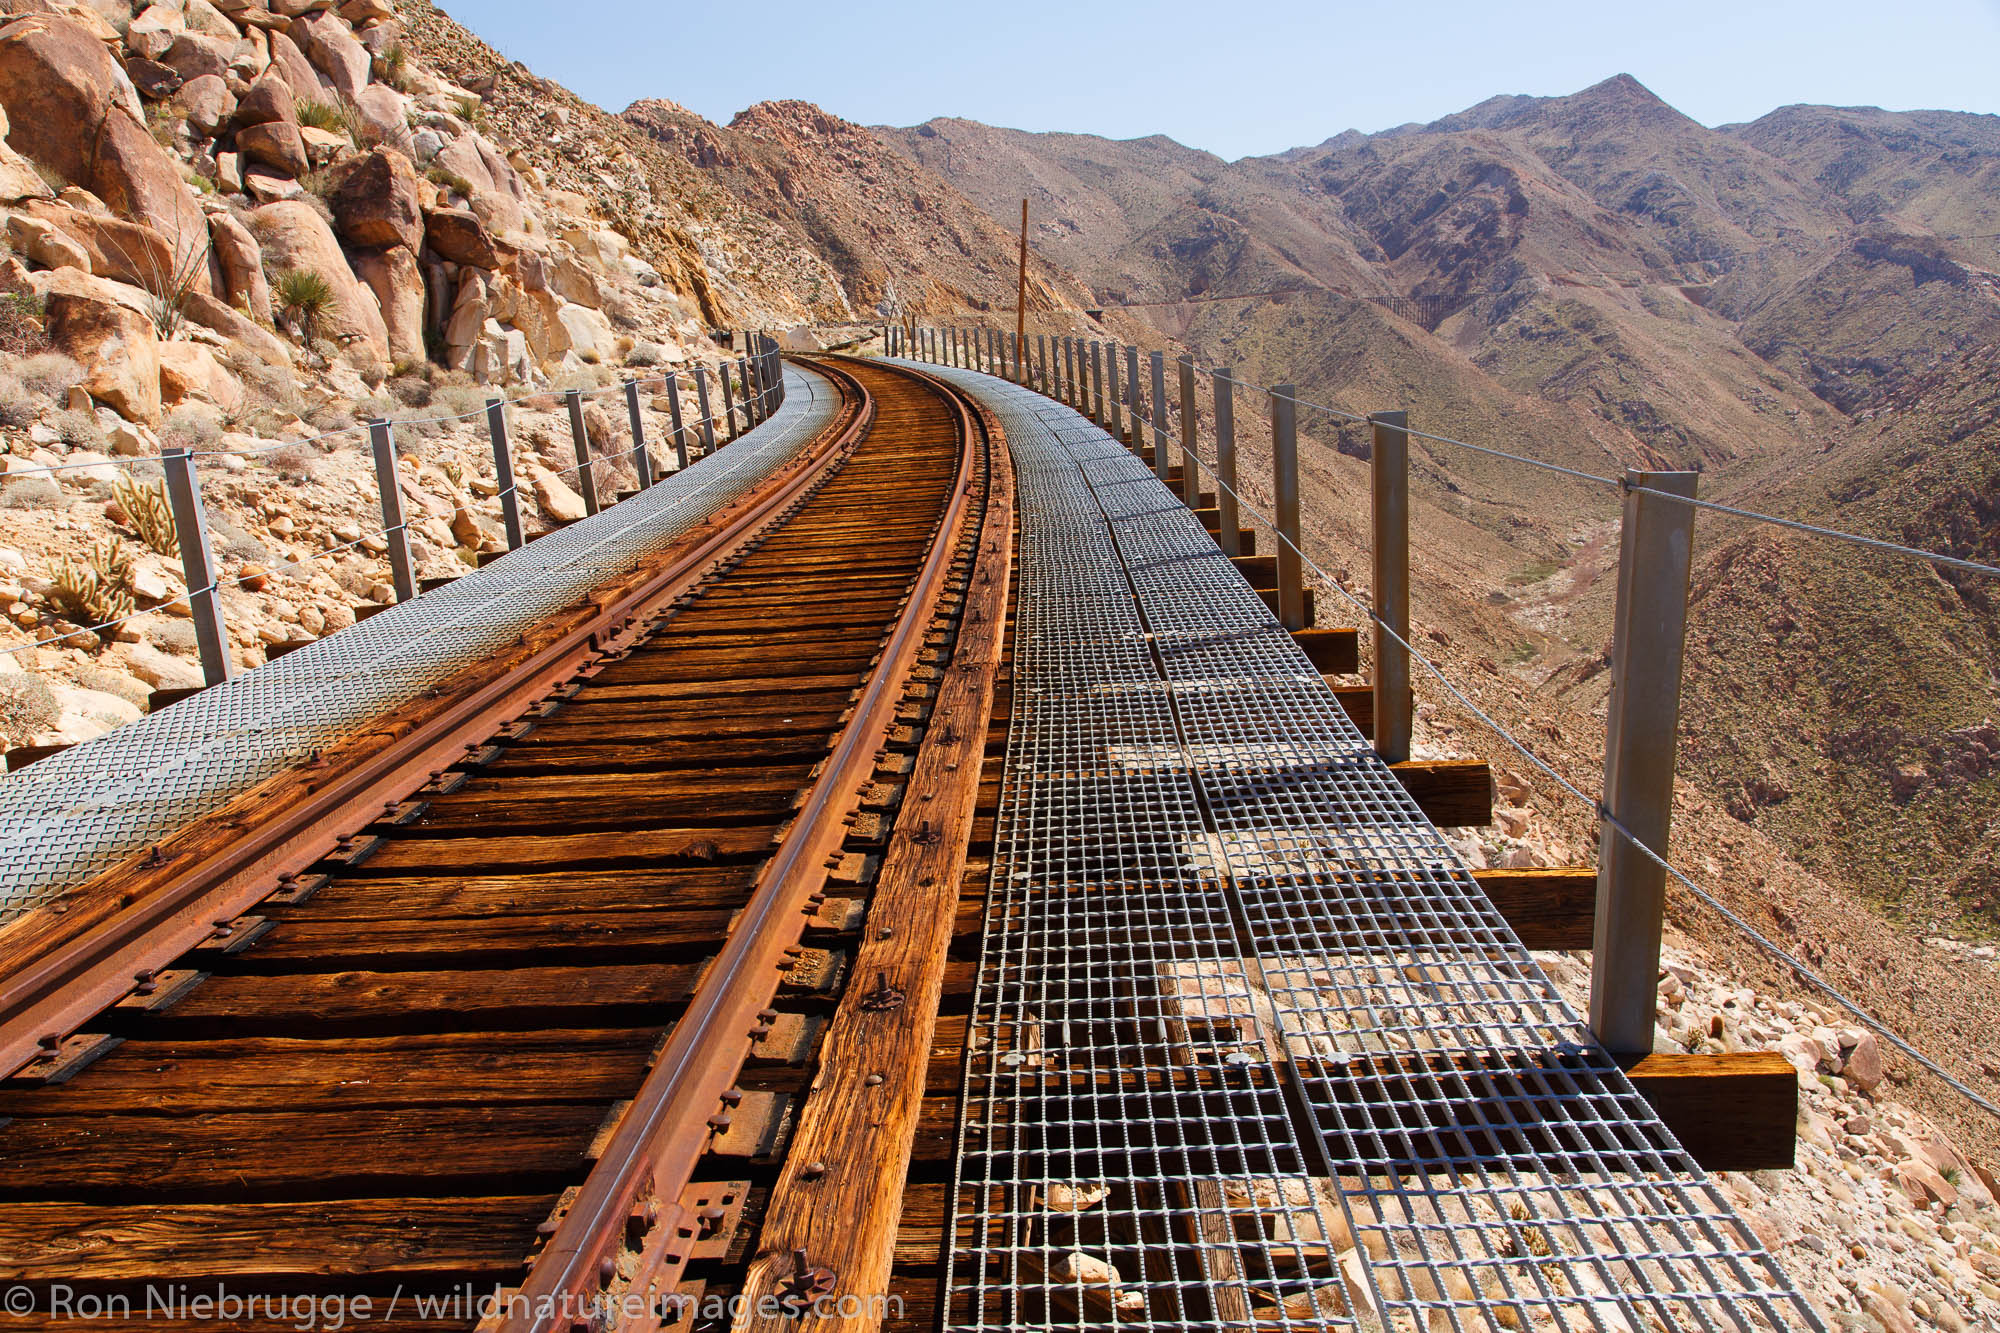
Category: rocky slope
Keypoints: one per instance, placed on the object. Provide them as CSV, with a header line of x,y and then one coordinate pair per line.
x,y
277,221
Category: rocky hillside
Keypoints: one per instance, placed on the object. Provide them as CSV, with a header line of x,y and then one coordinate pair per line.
x,y
248,227
903,242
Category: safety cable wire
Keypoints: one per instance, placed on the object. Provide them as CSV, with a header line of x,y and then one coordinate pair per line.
x,y
1836,534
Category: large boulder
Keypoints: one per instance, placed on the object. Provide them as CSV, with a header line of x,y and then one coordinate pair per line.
x,y
117,350
151,78
189,370
275,144
377,203
497,189
392,274
297,72
239,328
269,100
126,251
590,333
294,237
385,112
152,33
331,47
18,178
207,103
73,108
457,235
194,54
203,17
241,260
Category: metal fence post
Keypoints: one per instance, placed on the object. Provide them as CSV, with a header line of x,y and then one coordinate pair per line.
x,y
586,474
402,572
1648,628
1285,471
1389,466
1135,401
641,459
503,473
1069,371
1117,408
707,414
191,531
1190,423
1042,364
728,404
749,398
1223,382
1097,380
1157,364
674,409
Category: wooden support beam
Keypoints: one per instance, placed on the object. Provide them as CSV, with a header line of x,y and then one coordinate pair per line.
x,y
1358,702
1335,651
1259,571
1732,1112
1548,908
1270,596
1450,792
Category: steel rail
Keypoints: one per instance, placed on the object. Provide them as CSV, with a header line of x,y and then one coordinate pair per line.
x,y
652,1153
70,960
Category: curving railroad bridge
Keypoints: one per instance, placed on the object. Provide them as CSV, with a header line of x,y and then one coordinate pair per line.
x,y
911,867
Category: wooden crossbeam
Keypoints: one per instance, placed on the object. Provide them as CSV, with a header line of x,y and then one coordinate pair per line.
x,y
1451,792
1732,1112
1335,651
1548,908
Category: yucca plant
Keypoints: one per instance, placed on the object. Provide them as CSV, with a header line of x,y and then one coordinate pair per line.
x,y
304,296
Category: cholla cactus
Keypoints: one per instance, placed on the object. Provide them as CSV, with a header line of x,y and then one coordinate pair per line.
x,y
149,513
98,590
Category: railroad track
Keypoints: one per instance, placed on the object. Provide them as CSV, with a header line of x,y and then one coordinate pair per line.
x,y
579,1020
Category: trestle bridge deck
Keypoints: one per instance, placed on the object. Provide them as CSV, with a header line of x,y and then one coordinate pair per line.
x,y
902,876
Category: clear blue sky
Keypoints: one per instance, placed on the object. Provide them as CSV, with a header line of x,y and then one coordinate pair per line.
x,y
1257,76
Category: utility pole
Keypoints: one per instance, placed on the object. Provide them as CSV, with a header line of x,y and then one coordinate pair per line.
x,y
1021,293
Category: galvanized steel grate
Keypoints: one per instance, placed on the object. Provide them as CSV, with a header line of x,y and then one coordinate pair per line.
x,y
1201,864
75,813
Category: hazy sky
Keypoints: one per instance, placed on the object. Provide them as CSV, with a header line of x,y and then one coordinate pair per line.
x,y
1253,77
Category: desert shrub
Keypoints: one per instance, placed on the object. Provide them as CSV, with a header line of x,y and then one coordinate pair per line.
x,y
27,706
22,331
335,116
646,354
18,410
50,374
453,400
269,389
191,428
148,512
411,389
470,110
235,543
446,179
78,430
394,67
293,462
29,493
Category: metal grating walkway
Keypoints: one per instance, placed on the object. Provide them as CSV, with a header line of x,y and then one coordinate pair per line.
x,y
75,813
1202,873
